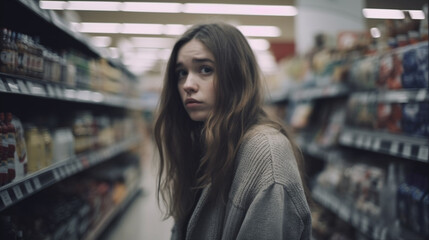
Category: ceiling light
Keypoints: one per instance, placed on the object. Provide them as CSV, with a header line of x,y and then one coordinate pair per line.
x,y
383,13
54,5
152,7
375,32
100,27
417,14
153,42
139,28
260,31
259,44
101,41
239,9
174,29
93,6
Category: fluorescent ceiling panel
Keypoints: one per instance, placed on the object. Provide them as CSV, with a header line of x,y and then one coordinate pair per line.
x,y
239,9
153,42
54,5
93,6
174,29
101,41
87,27
260,31
141,28
383,13
259,44
151,7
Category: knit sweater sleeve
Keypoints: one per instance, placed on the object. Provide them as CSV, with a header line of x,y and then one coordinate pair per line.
x,y
273,215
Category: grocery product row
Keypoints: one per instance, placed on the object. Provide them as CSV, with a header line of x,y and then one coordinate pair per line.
x,y
32,146
26,56
380,202
80,207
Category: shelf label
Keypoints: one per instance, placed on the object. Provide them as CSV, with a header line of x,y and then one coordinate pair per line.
x,y
51,91
22,86
394,148
13,86
376,145
421,95
28,187
2,86
367,142
423,153
37,184
359,141
62,172
56,175
18,192
346,138
68,170
6,198
406,152
59,92
36,89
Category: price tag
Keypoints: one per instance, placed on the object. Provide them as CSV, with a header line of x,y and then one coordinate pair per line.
x,y
18,192
62,172
28,187
23,87
36,89
37,184
344,212
56,175
421,95
359,141
59,92
51,91
68,170
407,150
2,86
13,86
70,93
6,198
423,154
394,148
376,145
367,142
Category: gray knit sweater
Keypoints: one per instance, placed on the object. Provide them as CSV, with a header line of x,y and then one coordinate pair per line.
x,y
266,199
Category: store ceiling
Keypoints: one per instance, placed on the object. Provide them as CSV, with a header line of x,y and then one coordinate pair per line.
x,y
284,23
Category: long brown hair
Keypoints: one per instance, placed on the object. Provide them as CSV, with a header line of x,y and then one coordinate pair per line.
x,y
194,155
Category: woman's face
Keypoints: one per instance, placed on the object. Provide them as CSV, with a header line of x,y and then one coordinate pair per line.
x,y
195,70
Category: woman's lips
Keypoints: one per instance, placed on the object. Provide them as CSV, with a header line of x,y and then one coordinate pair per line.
x,y
190,102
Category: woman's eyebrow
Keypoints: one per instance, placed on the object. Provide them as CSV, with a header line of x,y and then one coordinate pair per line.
x,y
199,60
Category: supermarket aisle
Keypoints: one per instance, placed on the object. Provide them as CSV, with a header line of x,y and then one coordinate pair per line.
x,y
142,219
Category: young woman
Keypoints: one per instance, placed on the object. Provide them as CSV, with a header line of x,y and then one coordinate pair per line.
x,y
226,170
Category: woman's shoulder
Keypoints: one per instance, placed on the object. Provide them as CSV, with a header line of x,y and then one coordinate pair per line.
x,y
267,151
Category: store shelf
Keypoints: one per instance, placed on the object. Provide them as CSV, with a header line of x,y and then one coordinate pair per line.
x,y
29,185
32,87
392,96
372,229
52,18
98,229
414,148
333,90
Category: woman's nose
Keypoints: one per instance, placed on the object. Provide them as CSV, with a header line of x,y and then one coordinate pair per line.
x,y
190,85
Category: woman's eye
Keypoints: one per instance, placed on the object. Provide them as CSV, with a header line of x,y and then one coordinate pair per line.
x,y
181,73
206,70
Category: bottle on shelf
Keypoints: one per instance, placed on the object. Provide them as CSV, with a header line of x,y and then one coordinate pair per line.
x,y
11,156
7,52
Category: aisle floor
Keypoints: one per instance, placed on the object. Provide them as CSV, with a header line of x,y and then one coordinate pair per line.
x,y
142,220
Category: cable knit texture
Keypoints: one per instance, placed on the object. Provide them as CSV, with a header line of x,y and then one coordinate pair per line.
x,y
266,199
